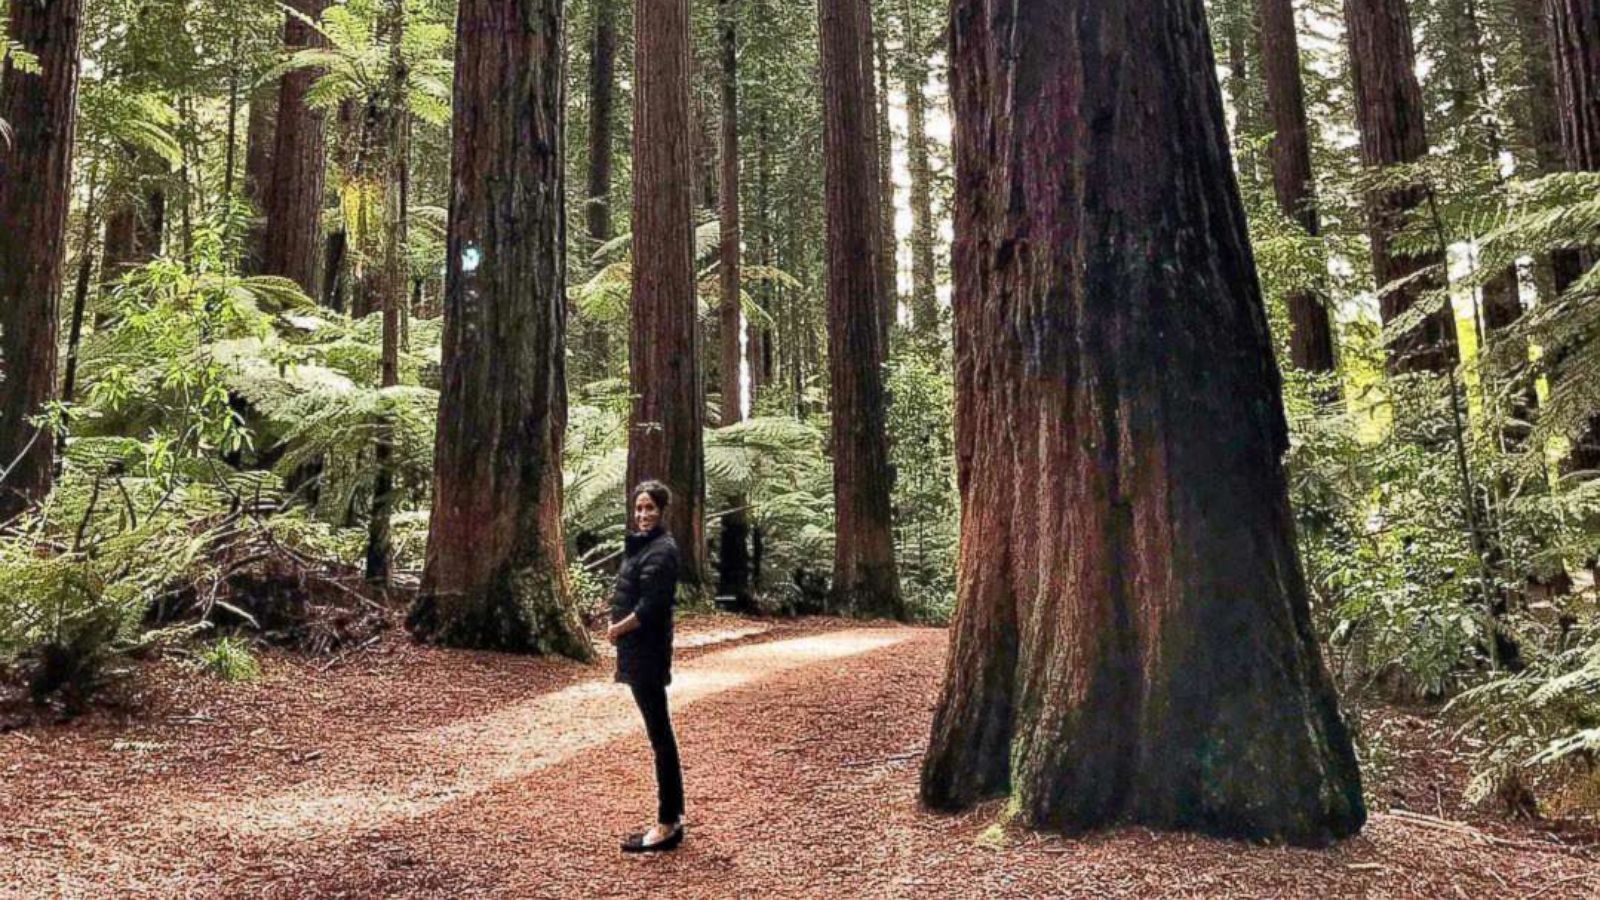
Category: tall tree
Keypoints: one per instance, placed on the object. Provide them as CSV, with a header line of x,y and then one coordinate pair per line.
x,y
914,79
665,440
392,132
734,555
40,109
602,102
1389,115
1575,55
496,574
864,578
293,243
1535,112
1132,639
1294,185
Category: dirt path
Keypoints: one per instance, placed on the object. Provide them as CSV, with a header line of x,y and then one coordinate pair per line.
x,y
428,774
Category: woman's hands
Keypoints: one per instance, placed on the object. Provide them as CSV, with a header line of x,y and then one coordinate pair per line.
x,y
616,630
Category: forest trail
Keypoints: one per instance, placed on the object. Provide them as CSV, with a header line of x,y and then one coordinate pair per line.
x,y
421,773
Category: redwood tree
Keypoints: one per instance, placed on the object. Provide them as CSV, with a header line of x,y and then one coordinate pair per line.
x,y
293,240
1389,115
864,579
1311,326
35,191
1132,639
1575,55
666,441
496,565
602,100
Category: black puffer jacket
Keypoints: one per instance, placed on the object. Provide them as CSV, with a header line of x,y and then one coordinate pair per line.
x,y
647,587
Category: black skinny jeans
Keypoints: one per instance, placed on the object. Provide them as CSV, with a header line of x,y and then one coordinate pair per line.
x,y
652,702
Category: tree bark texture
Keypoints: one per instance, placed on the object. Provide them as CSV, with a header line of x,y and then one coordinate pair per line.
x,y
1293,183
1132,639
864,577
1575,40
35,193
888,266
666,440
924,274
496,566
602,103
293,244
1574,28
1389,115
1535,112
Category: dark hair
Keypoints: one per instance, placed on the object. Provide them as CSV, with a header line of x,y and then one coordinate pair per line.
x,y
658,492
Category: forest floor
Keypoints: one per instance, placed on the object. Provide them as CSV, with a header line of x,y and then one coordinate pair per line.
x,y
412,772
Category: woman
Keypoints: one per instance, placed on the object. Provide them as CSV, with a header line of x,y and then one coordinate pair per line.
x,y
641,629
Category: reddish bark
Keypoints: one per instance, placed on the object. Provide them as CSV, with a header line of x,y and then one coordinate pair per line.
x,y
294,247
864,578
665,428
1574,28
496,569
1389,114
35,194
1294,185
1132,639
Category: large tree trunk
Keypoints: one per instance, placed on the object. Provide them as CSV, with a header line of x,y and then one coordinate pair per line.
x,y
35,193
665,429
734,556
293,244
602,94
864,579
1389,114
1575,53
496,573
1132,639
1535,115
924,276
1310,323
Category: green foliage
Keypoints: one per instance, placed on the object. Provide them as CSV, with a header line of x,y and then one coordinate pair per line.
x,y
777,464
1543,722
229,659
926,505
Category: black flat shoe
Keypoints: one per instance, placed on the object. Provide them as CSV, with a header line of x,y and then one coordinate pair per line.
x,y
635,842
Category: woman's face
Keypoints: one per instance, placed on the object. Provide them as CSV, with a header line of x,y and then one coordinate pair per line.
x,y
645,512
